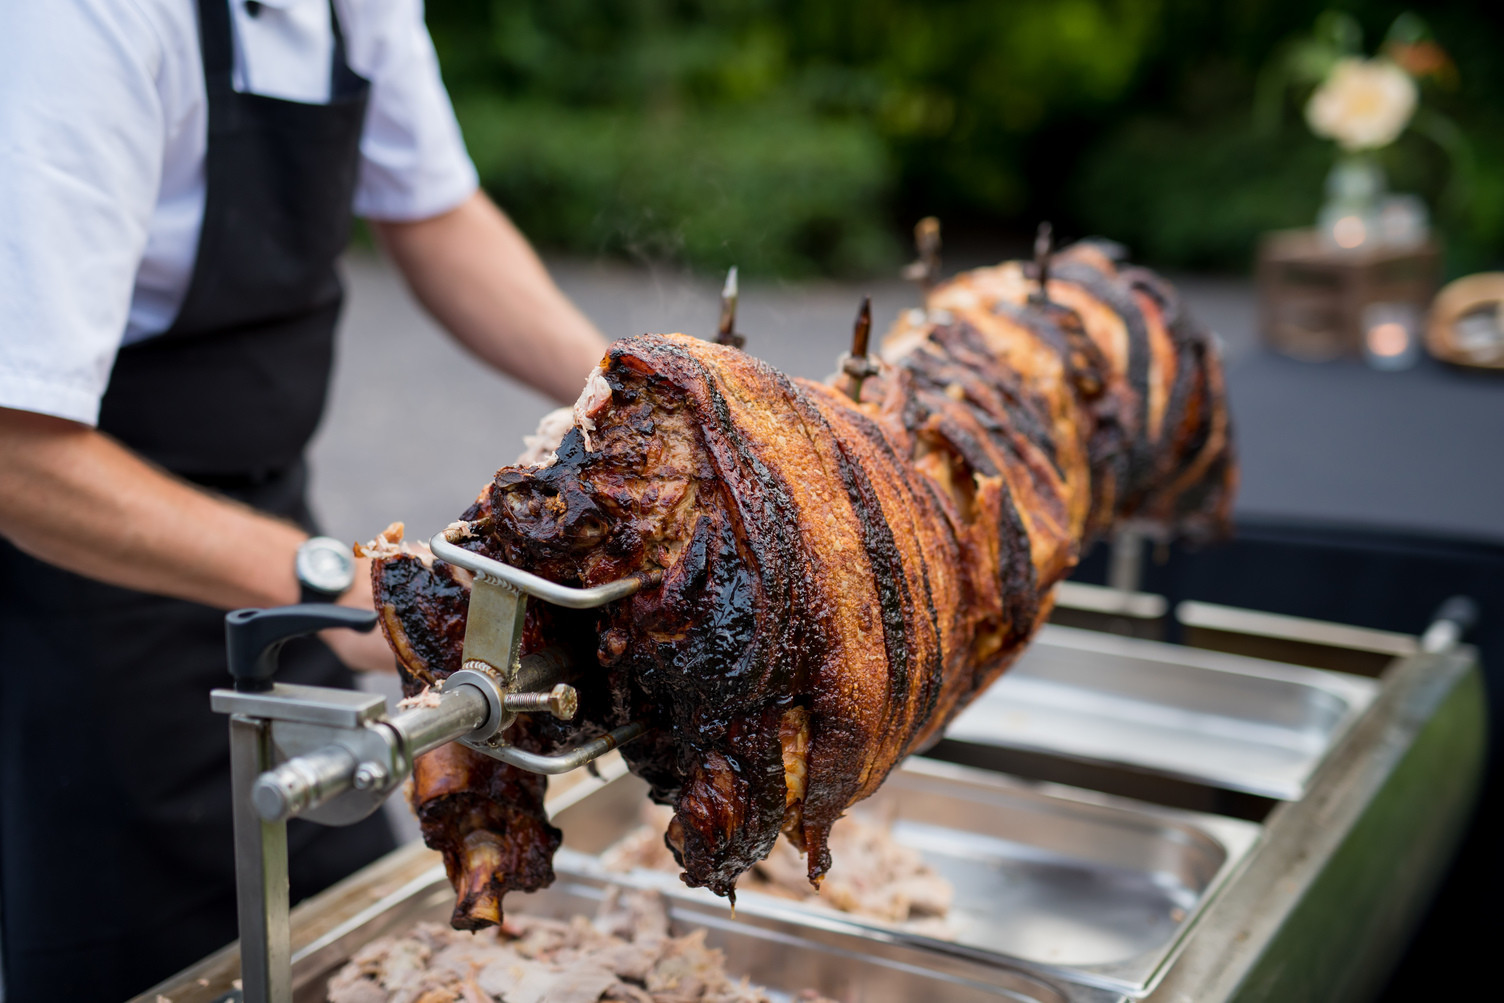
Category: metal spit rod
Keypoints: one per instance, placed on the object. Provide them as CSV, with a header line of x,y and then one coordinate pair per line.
x,y
307,781
474,705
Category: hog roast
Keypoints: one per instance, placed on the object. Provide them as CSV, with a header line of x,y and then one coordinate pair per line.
x,y
838,578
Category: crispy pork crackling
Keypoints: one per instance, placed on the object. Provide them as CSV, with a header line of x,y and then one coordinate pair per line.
x,y
839,579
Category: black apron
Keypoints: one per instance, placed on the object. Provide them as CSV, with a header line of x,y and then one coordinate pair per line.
x,y
116,853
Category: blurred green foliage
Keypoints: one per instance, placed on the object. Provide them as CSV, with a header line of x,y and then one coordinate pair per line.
x,y
801,138
1206,155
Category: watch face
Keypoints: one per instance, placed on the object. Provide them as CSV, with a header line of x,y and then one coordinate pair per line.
x,y
326,565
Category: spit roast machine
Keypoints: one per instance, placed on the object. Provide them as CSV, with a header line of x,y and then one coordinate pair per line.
x,y
1122,819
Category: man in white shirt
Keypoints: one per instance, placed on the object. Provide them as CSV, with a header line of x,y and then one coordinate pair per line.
x,y
176,180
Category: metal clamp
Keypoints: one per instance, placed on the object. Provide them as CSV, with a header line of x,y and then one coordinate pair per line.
x,y
514,684
541,588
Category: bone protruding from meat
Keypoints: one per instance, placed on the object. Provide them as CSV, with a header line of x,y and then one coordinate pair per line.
x,y
479,902
486,818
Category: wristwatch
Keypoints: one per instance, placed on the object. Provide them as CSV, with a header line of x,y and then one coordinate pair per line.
x,y
325,569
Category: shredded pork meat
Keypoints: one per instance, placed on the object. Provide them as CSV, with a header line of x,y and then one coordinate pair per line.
x,y
626,954
873,876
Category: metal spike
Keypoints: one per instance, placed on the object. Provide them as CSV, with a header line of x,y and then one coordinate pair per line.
x,y
856,364
725,331
1044,248
926,269
861,329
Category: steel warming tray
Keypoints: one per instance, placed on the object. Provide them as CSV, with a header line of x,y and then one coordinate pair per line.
x,y
1062,882
1314,903
776,955
1240,723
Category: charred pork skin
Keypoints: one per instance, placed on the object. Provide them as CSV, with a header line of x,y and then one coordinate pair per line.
x,y
838,577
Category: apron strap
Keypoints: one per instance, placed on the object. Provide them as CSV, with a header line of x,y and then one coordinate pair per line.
x,y
343,81
339,34
217,41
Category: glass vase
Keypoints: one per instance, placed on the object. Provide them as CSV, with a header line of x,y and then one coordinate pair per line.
x,y
1350,215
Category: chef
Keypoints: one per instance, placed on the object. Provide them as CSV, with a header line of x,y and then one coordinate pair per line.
x,y
177,179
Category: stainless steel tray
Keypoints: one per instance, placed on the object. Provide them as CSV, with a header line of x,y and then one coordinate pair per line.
x,y
1068,884
1239,723
778,956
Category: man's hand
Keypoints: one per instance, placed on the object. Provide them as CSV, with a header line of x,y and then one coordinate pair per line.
x,y
367,652
480,278
74,497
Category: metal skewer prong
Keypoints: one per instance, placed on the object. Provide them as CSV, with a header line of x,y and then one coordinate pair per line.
x,y
856,364
725,330
926,268
1044,249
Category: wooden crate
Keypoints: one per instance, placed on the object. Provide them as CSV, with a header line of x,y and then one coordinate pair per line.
x,y
1312,295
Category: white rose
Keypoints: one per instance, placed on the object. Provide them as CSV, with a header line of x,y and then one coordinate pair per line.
x,y
1363,104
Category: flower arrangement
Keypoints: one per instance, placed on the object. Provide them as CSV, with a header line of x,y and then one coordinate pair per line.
x,y
1363,103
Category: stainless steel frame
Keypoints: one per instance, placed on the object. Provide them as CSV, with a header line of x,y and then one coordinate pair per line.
x,y
1318,910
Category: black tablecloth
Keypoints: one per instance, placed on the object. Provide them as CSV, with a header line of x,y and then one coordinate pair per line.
x,y
1419,451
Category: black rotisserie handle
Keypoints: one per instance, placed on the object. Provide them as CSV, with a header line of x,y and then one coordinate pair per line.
x,y
254,637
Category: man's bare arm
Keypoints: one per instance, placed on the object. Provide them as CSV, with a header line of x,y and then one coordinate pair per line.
x,y
480,278
74,497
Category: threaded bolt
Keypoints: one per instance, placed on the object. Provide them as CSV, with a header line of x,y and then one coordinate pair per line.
x,y
562,701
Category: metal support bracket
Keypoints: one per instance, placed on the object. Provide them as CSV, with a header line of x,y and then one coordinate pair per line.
x,y
493,662
333,756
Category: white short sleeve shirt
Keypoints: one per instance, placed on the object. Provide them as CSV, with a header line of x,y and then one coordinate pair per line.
x,y
103,131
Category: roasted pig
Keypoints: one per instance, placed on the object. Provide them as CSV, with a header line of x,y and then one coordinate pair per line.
x,y
838,577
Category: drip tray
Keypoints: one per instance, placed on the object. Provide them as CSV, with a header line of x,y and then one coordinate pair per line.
x,y
776,955
1064,883
1241,724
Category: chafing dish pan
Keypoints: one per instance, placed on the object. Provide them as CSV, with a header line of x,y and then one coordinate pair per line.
x,y
1065,883
1228,721
783,957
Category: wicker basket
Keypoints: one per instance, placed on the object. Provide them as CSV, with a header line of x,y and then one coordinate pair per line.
x,y
1466,324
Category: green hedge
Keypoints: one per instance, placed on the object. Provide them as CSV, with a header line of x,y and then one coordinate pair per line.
x,y
771,192
797,137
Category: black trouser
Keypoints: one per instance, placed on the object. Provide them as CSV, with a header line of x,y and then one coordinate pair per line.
x,y
116,847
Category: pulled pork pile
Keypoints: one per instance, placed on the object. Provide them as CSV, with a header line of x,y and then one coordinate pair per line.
x,y
872,875
625,955
833,579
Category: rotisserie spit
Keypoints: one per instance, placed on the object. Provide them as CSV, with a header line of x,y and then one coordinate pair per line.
x,y
835,578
